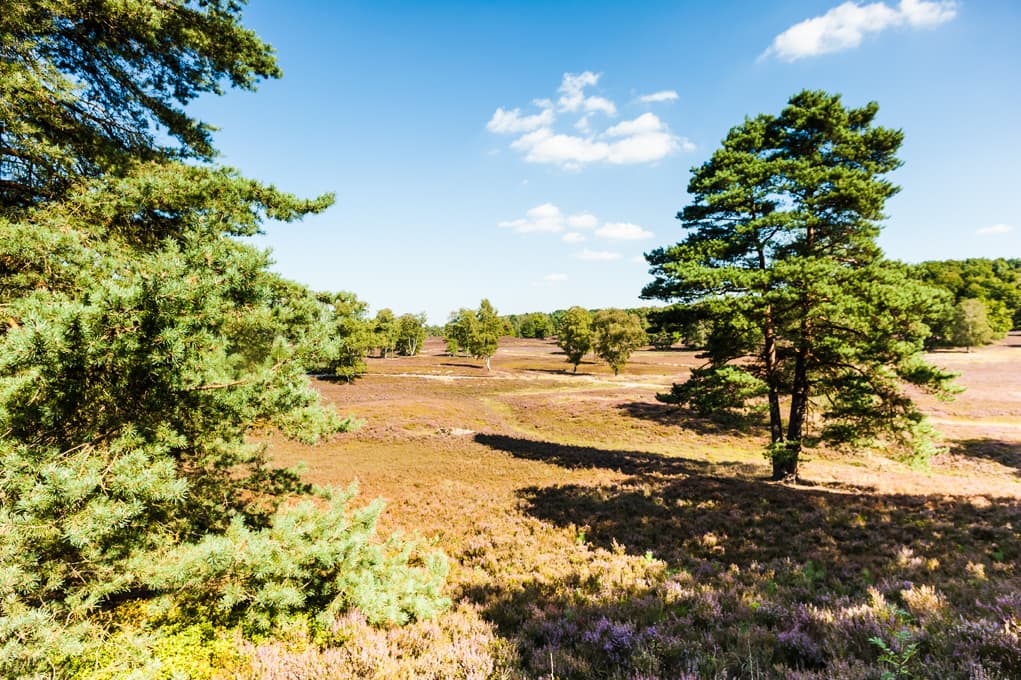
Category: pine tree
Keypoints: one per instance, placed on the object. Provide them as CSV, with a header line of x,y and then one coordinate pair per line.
x,y
141,344
781,255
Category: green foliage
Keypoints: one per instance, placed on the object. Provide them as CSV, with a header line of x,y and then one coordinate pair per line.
x,y
575,334
459,330
971,325
87,88
664,340
714,390
897,657
311,558
534,325
344,335
142,345
616,334
997,283
781,255
475,332
387,332
410,334
486,332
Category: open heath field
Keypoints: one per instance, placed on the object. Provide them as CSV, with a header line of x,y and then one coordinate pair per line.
x,y
595,532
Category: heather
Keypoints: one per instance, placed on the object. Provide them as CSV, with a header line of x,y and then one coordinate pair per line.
x,y
596,532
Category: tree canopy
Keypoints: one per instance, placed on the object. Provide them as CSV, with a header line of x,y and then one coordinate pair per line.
x,y
781,254
615,335
575,334
87,87
142,344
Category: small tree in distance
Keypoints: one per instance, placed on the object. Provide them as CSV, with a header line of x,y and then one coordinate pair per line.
x,y
575,334
410,334
617,334
485,339
476,332
971,325
458,331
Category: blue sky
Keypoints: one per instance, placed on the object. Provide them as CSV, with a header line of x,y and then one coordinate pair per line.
x,y
530,152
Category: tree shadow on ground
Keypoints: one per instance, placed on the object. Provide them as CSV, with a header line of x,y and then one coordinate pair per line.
x,y
567,370
680,510
462,364
678,416
700,519
637,463
997,450
787,569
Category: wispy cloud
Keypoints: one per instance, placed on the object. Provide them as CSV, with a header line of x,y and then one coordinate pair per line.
x,y
572,94
548,218
623,231
583,221
573,237
555,278
512,121
597,255
661,96
995,229
846,25
645,139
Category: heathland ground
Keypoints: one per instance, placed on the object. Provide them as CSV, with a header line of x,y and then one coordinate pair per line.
x,y
594,531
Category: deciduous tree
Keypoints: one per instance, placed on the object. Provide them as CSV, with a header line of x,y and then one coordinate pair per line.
x,y
485,337
575,334
971,325
410,334
615,335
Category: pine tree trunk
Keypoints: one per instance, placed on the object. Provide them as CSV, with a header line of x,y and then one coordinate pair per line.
x,y
772,379
785,464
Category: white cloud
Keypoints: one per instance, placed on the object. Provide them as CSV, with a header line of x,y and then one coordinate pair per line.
x,y
635,143
549,219
639,259
506,122
623,231
545,218
597,255
573,237
546,146
844,26
645,139
555,278
572,94
920,13
582,221
643,124
662,96
995,229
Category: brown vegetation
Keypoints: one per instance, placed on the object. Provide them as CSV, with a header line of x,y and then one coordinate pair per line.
x,y
595,532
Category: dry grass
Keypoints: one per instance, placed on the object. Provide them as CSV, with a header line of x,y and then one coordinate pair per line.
x,y
595,532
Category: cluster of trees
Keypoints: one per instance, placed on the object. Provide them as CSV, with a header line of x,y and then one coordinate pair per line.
x,y
980,303
984,299
401,335
781,257
612,334
475,332
532,325
141,344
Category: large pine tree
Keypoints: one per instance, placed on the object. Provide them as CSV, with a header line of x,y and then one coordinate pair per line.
x,y
782,253
141,343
